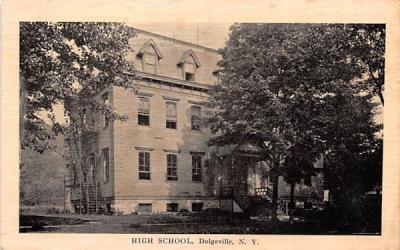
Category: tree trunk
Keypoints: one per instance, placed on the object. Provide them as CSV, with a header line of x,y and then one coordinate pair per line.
x,y
275,179
381,97
22,110
291,200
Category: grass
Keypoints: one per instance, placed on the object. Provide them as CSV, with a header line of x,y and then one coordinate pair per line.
x,y
165,224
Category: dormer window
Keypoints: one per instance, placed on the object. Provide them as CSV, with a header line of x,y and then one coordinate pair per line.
x,y
189,64
189,71
216,76
150,55
149,63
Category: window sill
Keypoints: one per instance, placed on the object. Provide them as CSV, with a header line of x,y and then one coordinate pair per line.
x,y
171,129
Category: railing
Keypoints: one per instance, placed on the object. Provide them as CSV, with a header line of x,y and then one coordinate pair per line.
x,y
91,197
311,198
238,195
263,191
266,192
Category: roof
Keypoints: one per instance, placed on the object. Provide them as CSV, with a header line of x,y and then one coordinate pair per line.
x,y
150,42
245,149
176,40
187,54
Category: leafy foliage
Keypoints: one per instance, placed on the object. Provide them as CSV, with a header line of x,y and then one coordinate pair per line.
x,y
40,180
366,47
298,91
67,63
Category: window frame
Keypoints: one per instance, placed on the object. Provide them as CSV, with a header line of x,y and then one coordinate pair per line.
x,y
194,120
149,206
185,71
141,112
172,167
146,64
197,172
171,119
174,205
144,170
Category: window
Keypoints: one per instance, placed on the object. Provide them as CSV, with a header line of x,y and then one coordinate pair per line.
x,y
106,165
171,115
149,63
144,112
145,208
189,77
172,207
195,119
197,206
106,119
172,167
150,55
189,63
216,77
144,166
189,71
196,168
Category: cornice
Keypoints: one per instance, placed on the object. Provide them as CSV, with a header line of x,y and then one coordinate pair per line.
x,y
178,82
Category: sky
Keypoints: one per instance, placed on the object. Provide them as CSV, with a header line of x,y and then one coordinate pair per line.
x,y
212,35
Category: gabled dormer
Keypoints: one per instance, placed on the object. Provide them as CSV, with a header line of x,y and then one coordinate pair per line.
x,y
189,64
150,55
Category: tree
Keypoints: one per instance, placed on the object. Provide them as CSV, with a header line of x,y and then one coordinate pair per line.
x,y
40,181
65,63
281,87
366,46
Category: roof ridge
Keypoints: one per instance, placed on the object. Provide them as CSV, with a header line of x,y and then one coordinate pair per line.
x,y
176,40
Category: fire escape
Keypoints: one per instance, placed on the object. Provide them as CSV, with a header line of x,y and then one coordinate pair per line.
x,y
83,182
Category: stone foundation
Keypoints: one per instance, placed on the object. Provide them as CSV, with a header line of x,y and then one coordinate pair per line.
x,y
132,205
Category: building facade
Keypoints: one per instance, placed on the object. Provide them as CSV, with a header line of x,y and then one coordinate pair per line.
x,y
158,159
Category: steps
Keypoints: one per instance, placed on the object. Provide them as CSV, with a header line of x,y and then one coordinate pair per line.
x,y
252,205
268,193
92,198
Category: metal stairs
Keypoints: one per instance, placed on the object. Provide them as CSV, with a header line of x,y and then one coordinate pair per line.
x,y
92,198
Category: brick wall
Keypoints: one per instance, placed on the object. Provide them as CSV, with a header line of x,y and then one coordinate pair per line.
x,y
129,137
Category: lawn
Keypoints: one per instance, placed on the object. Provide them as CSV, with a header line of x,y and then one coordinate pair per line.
x,y
167,224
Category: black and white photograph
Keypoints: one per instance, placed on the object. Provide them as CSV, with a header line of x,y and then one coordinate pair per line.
x,y
201,128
